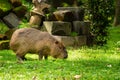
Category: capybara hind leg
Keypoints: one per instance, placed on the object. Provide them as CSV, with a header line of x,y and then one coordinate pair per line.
x,y
40,55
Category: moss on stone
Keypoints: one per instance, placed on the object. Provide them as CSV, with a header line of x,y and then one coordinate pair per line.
x,y
3,28
5,5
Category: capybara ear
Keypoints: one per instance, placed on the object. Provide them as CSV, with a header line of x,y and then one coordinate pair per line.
x,y
56,42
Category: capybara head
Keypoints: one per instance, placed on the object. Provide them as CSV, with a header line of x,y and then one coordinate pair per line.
x,y
58,50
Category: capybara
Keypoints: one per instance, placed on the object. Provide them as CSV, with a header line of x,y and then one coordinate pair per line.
x,y
30,40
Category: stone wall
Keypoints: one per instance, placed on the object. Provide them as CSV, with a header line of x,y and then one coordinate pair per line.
x,y
11,14
68,26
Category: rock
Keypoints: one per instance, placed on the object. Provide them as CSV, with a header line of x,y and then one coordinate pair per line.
x,y
64,15
4,44
58,27
72,41
35,19
38,12
20,11
39,7
11,20
77,11
81,27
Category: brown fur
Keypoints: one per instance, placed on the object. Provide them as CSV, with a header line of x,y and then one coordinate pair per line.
x,y
34,41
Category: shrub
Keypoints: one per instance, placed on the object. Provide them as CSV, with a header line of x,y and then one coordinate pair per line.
x,y
100,13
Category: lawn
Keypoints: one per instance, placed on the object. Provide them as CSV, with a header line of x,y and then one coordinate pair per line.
x,y
84,63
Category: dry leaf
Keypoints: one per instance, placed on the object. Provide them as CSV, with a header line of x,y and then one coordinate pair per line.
x,y
77,76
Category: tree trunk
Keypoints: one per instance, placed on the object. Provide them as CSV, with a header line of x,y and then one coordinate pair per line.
x,y
117,14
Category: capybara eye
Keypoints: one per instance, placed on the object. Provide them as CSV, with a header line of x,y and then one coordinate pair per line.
x,y
56,42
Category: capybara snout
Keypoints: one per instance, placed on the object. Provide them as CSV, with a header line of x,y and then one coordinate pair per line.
x,y
65,55
30,40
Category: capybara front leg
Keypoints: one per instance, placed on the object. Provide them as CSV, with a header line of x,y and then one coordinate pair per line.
x,y
40,55
23,58
46,57
20,56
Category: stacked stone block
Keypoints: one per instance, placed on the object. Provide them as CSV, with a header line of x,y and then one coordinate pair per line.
x,y
66,20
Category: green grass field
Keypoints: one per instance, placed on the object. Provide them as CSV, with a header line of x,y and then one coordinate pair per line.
x,y
96,63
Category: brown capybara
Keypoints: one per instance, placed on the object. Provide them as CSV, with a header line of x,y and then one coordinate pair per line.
x,y
30,40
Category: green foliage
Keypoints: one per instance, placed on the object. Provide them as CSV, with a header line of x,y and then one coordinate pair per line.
x,y
5,5
74,34
3,28
118,44
65,5
29,5
100,13
24,24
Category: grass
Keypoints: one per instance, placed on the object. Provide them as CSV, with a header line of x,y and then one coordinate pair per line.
x,y
96,63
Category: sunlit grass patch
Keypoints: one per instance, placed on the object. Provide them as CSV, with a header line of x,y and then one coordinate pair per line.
x,y
87,63
95,54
